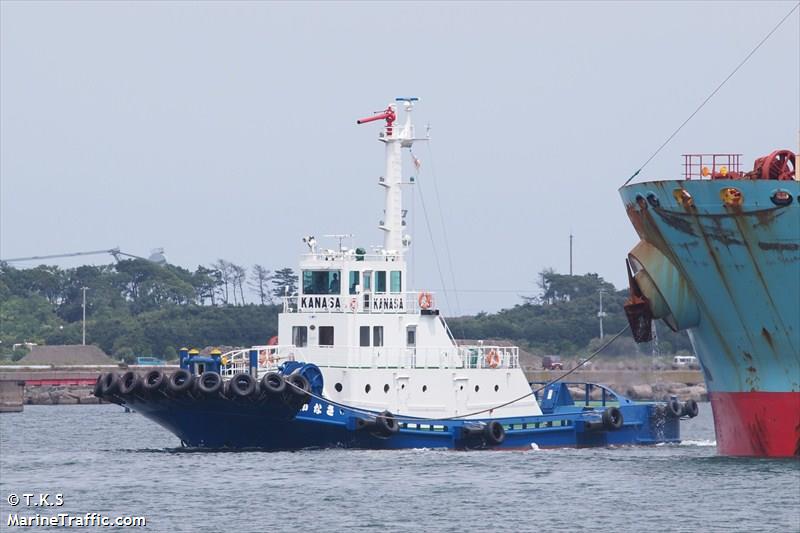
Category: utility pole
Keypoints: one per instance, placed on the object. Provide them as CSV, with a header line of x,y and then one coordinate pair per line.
x,y
84,289
570,253
601,314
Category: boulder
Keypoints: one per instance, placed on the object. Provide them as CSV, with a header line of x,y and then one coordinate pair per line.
x,y
640,392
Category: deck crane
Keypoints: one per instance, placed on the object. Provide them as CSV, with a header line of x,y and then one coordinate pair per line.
x,y
157,256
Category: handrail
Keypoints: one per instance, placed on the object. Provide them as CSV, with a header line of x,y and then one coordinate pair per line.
x,y
454,357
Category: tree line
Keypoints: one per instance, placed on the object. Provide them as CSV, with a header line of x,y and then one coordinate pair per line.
x,y
137,308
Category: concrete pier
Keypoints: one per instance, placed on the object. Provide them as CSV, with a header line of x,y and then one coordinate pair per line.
x,y
11,395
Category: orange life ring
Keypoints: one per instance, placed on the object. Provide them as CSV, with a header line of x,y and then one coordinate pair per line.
x,y
425,300
493,358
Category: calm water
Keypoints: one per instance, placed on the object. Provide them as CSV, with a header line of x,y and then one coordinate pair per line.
x,y
116,464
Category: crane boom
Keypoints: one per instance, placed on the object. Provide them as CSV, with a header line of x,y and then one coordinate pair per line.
x,y
113,251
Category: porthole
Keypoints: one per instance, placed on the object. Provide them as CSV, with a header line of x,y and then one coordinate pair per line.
x,y
424,388
312,327
338,387
462,387
496,388
477,388
367,388
386,388
652,199
403,386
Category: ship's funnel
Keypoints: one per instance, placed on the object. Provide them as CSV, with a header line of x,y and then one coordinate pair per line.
x,y
656,282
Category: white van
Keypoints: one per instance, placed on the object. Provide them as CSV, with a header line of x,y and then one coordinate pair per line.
x,y
685,361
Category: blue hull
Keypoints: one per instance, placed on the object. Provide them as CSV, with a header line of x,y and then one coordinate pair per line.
x,y
222,423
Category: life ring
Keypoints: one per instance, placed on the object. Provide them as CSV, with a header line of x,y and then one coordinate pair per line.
x,y
493,358
353,304
425,300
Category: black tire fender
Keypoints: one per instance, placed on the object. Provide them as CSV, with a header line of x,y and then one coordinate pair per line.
x,y
612,418
109,384
208,383
494,433
153,381
674,408
273,384
180,382
98,386
301,387
241,386
129,382
690,408
386,424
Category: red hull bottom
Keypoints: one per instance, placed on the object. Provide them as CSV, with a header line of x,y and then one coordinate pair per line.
x,y
760,424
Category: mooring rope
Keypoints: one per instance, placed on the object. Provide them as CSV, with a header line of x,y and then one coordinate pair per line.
x,y
474,413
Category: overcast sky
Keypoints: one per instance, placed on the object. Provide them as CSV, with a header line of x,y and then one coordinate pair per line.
x,y
227,130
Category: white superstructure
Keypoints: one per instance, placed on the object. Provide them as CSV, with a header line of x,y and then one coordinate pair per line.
x,y
379,345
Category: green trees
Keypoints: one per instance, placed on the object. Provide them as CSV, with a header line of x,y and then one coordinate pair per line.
x,y
284,282
137,308
134,307
563,319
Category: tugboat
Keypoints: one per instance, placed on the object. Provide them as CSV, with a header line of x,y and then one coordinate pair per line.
x,y
365,362
719,256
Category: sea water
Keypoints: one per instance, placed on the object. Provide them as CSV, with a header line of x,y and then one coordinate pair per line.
x,y
115,464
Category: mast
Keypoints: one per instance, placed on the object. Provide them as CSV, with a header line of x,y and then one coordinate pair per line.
x,y
395,138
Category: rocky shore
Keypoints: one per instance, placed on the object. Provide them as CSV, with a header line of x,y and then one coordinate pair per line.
x,y
59,395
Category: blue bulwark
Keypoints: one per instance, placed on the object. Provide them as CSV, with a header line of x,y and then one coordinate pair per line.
x,y
555,395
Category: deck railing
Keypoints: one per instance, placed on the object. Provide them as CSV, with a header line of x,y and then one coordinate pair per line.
x,y
455,357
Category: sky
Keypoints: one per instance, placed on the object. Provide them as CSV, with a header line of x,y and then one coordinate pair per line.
x,y
227,130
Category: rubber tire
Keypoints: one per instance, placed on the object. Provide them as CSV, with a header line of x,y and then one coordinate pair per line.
x,y
386,424
612,418
674,408
180,382
208,383
110,384
241,386
273,384
153,381
129,382
98,386
690,408
300,382
494,433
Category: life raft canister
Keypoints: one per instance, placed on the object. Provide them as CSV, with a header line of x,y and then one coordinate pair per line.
x,y
425,300
493,358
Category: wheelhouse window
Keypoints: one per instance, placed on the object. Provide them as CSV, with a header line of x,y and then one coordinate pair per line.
x,y
363,333
377,335
395,281
321,281
326,335
353,282
380,281
300,336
